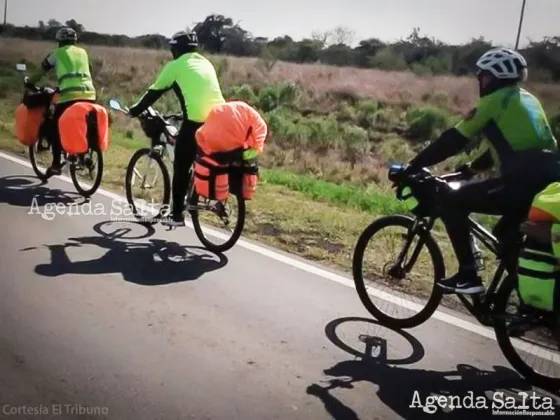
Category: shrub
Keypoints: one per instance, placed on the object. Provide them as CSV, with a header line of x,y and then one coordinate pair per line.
x,y
242,93
386,117
289,94
426,123
395,149
347,113
268,98
355,142
367,106
323,133
285,94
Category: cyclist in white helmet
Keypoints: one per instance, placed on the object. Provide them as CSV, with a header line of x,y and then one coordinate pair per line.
x,y
517,139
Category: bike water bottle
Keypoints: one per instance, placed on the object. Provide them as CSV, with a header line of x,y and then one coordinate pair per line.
x,y
479,261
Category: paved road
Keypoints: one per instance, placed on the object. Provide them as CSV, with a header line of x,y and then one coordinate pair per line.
x,y
93,326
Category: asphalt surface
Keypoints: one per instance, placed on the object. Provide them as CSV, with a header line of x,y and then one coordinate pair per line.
x,y
93,325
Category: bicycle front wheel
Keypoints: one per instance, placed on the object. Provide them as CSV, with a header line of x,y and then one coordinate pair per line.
x,y
391,235
150,188
40,154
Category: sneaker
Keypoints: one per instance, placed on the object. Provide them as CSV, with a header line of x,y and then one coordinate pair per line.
x,y
466,284
174,220
54,170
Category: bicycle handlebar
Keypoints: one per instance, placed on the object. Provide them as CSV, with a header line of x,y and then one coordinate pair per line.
x,y
425,174
37,89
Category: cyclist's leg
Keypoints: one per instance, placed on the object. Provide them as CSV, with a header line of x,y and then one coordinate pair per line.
x,y
185,153
487,197
56,166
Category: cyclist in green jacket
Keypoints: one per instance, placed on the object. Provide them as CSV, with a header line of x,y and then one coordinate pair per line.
x,y
194,81
518,139
73,71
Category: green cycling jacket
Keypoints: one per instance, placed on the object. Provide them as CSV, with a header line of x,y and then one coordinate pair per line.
x,y
511,120
194,80
72,67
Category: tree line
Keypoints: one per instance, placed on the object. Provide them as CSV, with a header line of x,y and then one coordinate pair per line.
x,y
419,53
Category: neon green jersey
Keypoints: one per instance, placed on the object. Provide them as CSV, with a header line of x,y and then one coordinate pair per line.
x,y
194,80
512,120
72,67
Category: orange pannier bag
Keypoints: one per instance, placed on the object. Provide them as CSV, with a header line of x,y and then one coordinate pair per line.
x,y
28,124
30,116
83,126
230,127
211,179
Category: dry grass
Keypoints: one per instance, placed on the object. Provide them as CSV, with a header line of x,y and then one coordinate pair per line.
x,y
138,67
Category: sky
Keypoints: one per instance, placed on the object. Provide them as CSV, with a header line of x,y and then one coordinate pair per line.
x,y
452,21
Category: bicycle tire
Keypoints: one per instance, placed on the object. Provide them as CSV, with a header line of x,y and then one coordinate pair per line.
x,y
357,264
33,159
505,344
240,225
166,184
86,193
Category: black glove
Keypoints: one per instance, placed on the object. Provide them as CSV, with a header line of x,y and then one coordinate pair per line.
x,y
134,111
27,84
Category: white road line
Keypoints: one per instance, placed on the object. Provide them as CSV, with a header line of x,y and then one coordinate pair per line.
x,y
439,315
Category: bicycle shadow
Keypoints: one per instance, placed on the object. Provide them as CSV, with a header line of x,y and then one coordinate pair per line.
x,y
154,262
28,191
406,390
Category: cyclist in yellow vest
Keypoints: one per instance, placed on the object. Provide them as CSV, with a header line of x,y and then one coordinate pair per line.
x,y
73,71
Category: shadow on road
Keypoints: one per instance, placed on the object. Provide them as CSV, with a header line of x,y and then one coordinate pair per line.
x,y
400,387
28,191
149,263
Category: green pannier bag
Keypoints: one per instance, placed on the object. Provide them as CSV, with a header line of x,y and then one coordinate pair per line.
x,y
539,265
538,279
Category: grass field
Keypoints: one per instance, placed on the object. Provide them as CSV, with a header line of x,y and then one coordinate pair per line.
x,y
333,131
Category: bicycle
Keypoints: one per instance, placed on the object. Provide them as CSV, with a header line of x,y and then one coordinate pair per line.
x,y
162,134
90,161
419,193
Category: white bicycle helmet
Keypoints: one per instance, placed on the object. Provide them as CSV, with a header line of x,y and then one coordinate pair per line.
x,y
504,63
66,34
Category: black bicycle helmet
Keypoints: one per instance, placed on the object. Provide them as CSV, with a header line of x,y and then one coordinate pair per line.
x,y
184,39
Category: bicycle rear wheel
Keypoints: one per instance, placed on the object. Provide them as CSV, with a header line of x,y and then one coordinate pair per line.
x,y
90,168
222,222
508,325
394,276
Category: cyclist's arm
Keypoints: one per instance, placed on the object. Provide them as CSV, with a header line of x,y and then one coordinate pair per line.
x,y
483,162
455,139
163,83
47,65
448,144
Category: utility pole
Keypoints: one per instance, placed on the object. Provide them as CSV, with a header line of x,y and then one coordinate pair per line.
x,y
520,24
5,14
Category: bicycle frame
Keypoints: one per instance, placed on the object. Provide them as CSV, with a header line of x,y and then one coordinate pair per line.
x,y
481,306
